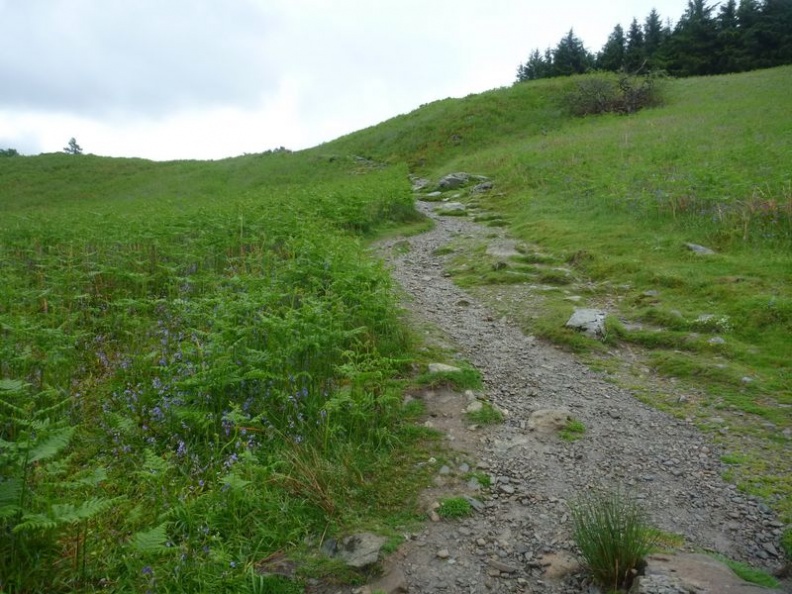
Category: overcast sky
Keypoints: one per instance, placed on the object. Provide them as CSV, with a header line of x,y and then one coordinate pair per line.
x,y
206,79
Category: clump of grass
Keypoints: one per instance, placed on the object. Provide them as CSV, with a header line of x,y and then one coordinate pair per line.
x,y
573,430
486,415
613,535
454,507
482,478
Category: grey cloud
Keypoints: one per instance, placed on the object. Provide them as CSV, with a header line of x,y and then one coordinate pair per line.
x,y
148,57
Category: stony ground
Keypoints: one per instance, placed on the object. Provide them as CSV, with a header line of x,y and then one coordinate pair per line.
x,y
520,540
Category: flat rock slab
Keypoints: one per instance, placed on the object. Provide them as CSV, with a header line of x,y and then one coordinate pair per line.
x,y
442,368
503,248
693,573
451,207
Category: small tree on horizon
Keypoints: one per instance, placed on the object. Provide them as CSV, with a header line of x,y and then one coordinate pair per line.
x,y
73,148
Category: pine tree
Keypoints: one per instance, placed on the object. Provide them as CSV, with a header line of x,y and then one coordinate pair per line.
x,y
654,37
728,38
570,56
695,41
634,55
536,67
612,55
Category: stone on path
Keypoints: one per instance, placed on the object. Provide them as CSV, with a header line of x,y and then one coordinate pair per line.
x,y
451,207
692,573
442,368
452,181
559,565
359,550
549,419
589,321
503,248
394,582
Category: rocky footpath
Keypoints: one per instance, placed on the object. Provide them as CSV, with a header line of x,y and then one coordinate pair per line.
x,y
519,539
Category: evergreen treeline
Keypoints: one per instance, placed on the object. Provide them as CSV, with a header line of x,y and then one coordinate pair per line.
x,y
708,39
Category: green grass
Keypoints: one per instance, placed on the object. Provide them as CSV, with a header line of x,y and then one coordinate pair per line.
x,y
210,363
613,536
573,430
454,508
486,415
615,199
205,368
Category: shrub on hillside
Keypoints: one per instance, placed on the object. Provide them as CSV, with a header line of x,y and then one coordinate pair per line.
x,y
604,93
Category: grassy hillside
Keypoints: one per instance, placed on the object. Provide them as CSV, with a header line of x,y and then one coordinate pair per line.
x,y
200,364
606,205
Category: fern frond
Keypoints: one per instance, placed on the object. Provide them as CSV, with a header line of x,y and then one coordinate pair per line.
x,y
35,523
9,385
52,445
152,542
66,513
153,464
88,479
10,493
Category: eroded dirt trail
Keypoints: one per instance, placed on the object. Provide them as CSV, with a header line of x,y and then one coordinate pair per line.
x,y
666,462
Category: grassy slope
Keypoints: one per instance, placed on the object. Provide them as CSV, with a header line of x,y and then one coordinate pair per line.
x,y
611,198
614,199
203,360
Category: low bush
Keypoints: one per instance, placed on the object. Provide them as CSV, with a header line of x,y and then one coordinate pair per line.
x,y
604,93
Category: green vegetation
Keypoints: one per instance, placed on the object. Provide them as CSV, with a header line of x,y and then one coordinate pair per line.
x,y
613,536
486,415
573,430
755,34
454,507
198,370
202,365
613,201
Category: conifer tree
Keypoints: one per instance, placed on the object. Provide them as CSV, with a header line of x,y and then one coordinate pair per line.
x,y
634,55
570,56
612,55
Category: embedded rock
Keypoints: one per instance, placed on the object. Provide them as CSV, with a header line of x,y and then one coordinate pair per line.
x,y
700,249
442,368
589,321
359,550
692,573
452,181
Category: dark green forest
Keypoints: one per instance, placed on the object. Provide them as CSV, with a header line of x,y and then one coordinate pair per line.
x,y
707,39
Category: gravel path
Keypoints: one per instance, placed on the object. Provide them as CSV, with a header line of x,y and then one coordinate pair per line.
x,y
525,524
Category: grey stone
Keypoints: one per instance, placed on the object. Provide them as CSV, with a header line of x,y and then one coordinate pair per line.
x,y
700,249
503,248
360,550
434,194
451,207
693,572
548,419
482,187
589,321
443,554
442,368
394,582
452,181
501,566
